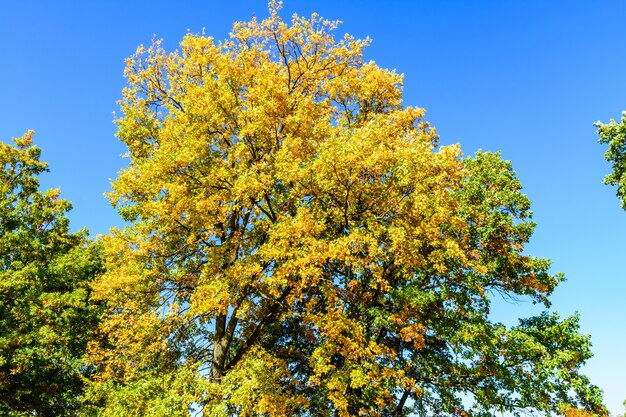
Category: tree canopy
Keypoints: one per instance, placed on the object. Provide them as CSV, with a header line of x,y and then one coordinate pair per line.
x,y
45,270
300,244
614,134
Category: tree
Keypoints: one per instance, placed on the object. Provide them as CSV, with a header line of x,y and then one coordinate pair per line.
x,y
44,274
615,135
299,244
575,412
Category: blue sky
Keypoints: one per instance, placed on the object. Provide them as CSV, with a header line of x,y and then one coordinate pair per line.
x,y
527,78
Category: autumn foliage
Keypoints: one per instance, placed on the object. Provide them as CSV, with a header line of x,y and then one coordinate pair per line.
x,y
576,412
299,244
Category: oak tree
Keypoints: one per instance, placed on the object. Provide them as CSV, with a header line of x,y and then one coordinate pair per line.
x,y
300,244
45,269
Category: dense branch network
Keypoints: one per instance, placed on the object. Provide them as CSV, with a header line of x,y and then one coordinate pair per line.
x,y
300,245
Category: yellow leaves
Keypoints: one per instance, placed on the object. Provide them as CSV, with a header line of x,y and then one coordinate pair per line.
x,y
413,333
289,213
139,340
25,141
370,87
255,387
212,296
358,378
569,411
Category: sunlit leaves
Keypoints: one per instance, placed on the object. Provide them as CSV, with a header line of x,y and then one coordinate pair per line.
x,y
45,317
300,244
614,134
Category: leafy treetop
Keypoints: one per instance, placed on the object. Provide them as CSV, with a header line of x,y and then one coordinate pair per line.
x,y
614,134
299,244
45,318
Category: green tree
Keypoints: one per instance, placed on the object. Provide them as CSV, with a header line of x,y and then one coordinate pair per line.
x,y
614,134
299,245
45,270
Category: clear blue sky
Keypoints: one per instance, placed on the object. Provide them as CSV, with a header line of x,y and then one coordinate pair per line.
x,y
527,78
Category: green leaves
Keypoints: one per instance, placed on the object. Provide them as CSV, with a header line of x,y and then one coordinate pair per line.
x,y
45,316
298,244
614,134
